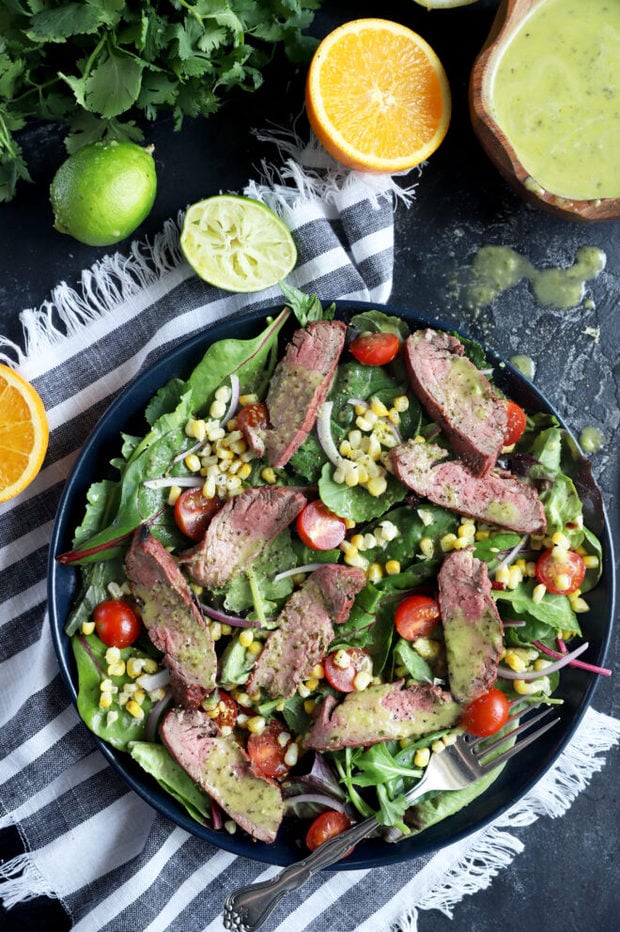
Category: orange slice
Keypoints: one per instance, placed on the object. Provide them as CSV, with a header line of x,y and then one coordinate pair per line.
x,y
23,433
377,96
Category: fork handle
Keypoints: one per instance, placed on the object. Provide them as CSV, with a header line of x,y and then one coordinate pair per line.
x,y
247,908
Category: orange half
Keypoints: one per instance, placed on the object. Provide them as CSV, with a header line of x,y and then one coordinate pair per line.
x,y
377,96
24,433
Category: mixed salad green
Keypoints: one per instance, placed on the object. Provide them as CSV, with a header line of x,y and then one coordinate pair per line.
x,y
397,539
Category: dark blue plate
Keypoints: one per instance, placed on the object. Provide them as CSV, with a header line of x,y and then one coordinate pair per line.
x,y
577,686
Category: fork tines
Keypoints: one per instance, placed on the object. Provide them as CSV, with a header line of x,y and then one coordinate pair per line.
x,y
482,748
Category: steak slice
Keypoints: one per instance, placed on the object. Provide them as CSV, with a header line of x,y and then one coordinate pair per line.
x,y
220,766
457,396
472,627
174,624
381,713
305,629
498,498
240,531
300,383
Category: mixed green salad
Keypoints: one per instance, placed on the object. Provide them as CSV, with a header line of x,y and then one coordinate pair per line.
x,y
195,456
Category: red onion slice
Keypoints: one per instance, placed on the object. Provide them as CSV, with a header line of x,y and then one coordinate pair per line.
x,y
593,668
539,674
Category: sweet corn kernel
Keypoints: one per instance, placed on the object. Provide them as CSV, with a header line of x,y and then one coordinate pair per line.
x,y
105,700
438,746
579,605
268,475
139,696
357,540
376,485
466,530
538,593
246,637
449,739
173,494
256,724
515,577
447,542
374,573
392,567
193,462
309,706
157,694
134,666
591,561
217,409
502,575
312,683
427,547
244,471
560,540
541,664
389,531
482,534
292,754
150,665
525,688
427,648
515,660
116,669
401,403
112,655
255,648
134,709
216,630
378,408
88,627
362,680
303,691
422,757
106,686
249,399
341,659
393,417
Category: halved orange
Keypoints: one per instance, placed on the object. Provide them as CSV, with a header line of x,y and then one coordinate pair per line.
x,y
377,96
24,433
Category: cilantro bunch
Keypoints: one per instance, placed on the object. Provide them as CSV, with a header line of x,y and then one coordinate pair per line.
x,y
103,67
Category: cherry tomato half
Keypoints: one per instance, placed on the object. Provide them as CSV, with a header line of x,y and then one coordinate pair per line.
x,y
227,710
252,417
516,422
487,714
327,825
561,576
193,512
116,623
342,677
267,753
319,528
375,349
416,616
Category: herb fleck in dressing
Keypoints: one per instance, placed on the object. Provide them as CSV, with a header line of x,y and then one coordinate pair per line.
x,y
555,93
494,269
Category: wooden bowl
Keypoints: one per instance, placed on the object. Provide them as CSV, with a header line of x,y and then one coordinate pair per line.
x,y
498,146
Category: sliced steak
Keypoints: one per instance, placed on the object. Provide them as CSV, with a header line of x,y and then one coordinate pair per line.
x,y
299,386
305,629
220,766
240,531
457,396
498,498
381,713
174,624
473,630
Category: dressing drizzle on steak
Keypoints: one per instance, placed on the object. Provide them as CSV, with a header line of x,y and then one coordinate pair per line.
x,y
305,629
240,531
498,498
457,396
174,624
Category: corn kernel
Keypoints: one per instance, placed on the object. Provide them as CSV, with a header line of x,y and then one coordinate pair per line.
x,y
230,826
244,471
106,686
560,540
579,605
502,575
112,655
422,757
515,576
226,730
393,417
392,567
525,688
135,709
516,660
376,485
378,408
111,717
139,696
309,706
255,648
256,724
292,754
105,700
357,540
246,637
374,573
427,648
156,695
466,530
449,739
341,659
389,531
591,561
249,399
401,403
134,667
312,683
216,630
362,680
150,665
427,547
438,746
482,534
541,664
538,593
192,462
209,488
447,542
116,669
88,627
268,475
303,691
217,409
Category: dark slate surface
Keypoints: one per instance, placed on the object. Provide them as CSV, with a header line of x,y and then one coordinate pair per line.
x,y
566,877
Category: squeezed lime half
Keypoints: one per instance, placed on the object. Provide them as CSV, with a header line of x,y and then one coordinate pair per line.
x,y
237,243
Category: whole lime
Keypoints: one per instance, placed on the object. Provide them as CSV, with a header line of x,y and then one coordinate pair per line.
x,y
103,192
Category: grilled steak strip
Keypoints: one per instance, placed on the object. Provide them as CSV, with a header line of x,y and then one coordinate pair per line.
x,y
305,629
472,627
457,396
240,531
300,383
221,767
174,624
380,713
498,498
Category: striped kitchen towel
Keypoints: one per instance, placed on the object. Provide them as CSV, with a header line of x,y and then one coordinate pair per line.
x,y
115,864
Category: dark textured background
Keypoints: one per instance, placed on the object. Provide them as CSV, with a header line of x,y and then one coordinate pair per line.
x,y
566,879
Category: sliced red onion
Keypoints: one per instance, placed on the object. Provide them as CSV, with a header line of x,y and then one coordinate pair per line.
x,y
324,433
593,668
150,729
181,456
216,815
511,555
306,568
190,482
320,799
236,621
538,674
151,681
234,398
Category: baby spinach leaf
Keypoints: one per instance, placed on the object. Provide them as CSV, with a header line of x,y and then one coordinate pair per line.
x,y
235,664
278,555
379,322
416,666
554,610
158,762
357,503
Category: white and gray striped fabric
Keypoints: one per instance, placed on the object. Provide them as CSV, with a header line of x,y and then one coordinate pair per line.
x,y
116,865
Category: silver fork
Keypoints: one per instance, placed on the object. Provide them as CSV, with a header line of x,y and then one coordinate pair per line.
x,y
453,769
